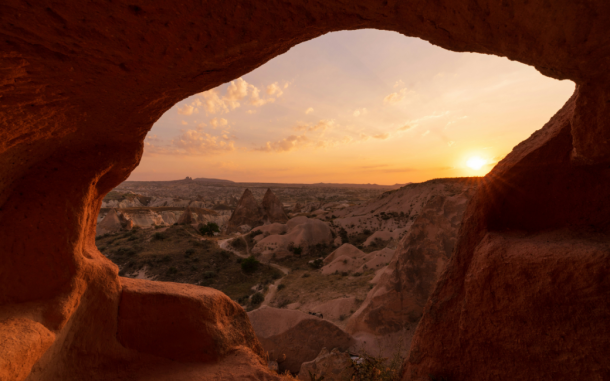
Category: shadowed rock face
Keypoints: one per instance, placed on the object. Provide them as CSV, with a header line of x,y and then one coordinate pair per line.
x,y
66,64
294,337
273,210
398,299
248,212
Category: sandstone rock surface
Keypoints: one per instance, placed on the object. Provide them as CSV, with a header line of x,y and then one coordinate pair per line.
x,y
273,210
297,335
181,322
330,366
247,212
398,298
525,284
66,64
299,232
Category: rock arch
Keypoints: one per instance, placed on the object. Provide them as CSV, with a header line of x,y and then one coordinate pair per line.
x,y
82,84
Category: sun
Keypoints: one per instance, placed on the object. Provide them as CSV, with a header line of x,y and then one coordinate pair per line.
x,y
476,163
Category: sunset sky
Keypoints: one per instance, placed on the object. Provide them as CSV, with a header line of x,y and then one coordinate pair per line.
x,y
363,106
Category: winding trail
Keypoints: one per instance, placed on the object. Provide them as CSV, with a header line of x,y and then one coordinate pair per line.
x,y
272,289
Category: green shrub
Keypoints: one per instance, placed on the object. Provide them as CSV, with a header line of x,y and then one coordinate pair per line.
x,y
250,264
257,299
209,229
281,286
297,250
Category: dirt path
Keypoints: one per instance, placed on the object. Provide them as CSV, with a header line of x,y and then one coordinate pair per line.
x,y
225,245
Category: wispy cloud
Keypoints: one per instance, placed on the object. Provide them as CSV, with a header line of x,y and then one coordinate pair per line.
x,y
398,96
309,111
190,142
287,144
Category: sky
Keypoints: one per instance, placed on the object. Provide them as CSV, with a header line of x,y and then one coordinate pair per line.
x,y
361,107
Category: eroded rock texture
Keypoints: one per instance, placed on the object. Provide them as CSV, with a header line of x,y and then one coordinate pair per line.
x,y
82,83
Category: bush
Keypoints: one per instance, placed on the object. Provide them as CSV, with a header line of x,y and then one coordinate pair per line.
x,y
306,275
209,275
297,250
159,236
281,286
317,263
209,229
166,258
254,233
172,271
250,264
257,299
132,238
189,252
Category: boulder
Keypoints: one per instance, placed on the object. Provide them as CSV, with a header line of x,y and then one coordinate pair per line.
x,y
273,209
330,366
347,258
181,322
295,334
247,212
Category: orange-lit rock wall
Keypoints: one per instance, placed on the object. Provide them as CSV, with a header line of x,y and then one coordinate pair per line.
x,y
81,83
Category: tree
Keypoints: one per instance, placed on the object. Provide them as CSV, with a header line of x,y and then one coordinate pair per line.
x,y
209,229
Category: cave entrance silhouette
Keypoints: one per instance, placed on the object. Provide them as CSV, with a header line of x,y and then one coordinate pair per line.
x,y
82,85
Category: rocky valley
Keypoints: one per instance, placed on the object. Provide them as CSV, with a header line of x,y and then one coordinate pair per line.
x,y
325,266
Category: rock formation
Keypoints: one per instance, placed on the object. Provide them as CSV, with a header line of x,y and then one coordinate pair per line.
x,y
111,223
186,218
273,210
301,232
295,334
397,300
530,261
247,212
330,366
297,208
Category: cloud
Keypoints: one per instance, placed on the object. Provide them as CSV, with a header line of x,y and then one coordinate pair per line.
x,y
212,103
184,123
187,110
287,144
321,126
251,112
399,83
382,136
218,122
360,111
397,96
191,142
274,89
404,128
450,143
309,111
425,133
237,92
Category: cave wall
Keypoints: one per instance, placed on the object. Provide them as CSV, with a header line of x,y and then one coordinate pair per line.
x,y
82,83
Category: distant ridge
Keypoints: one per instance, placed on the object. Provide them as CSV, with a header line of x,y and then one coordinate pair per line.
x,y
203,180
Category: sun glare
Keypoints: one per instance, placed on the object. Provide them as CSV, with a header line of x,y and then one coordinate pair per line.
x,y
476,163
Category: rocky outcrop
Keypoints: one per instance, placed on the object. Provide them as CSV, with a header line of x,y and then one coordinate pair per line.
x,y
330,366
397,300
299,232
111,223
294,337
525,283
186,218
247,212
297,208
65,65
181,322
273,209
